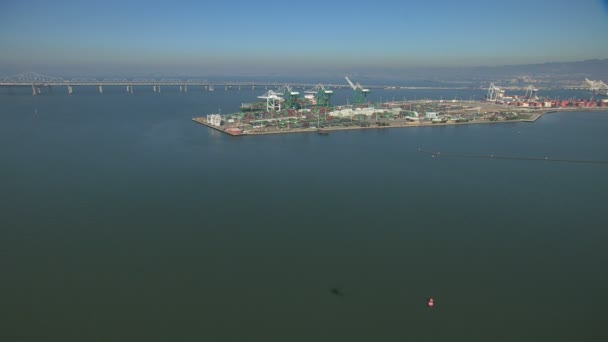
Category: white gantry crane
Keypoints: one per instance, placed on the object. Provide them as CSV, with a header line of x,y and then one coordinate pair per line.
x,y
360,92
494,93
214,119
531,93
273,100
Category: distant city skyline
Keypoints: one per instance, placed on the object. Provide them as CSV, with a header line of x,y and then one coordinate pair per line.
x,y
313,36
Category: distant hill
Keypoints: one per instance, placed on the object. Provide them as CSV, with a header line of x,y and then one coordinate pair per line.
x,y
543,74
595,68
546,73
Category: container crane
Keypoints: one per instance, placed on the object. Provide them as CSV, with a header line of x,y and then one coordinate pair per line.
x,y
360,92
494,93
323,96
531,93
273,100
290,96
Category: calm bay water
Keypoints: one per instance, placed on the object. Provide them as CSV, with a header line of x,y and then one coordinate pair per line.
x,y
123,220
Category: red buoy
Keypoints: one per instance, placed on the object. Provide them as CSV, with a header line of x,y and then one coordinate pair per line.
x,y
431,303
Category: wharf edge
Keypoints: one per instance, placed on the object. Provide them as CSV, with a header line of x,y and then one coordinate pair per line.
x,y
536,116
203,121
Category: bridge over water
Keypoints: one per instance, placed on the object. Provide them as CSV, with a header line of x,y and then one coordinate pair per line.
x,y
38,81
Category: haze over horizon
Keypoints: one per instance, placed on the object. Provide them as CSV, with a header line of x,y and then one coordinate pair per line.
x,y
241,37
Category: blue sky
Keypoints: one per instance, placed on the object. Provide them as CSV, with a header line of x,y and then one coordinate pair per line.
x,y
220,36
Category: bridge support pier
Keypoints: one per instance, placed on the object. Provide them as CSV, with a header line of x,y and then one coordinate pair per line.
x,y
33,89
100,89
69,89
185,88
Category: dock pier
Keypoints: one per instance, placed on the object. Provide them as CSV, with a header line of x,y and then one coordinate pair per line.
x,y
203,121
240,130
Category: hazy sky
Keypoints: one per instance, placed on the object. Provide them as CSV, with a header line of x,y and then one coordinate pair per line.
x,y
304,35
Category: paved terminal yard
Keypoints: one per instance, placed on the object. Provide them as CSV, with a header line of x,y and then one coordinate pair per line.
x,y
373,116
